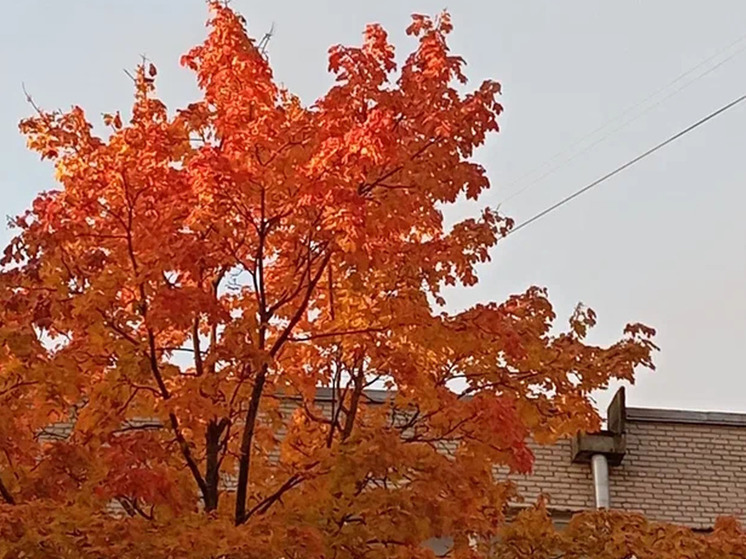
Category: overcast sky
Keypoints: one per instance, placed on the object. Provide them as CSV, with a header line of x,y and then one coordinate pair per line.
x,y
663,243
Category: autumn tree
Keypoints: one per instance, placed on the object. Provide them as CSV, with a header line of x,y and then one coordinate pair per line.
x,y
200,274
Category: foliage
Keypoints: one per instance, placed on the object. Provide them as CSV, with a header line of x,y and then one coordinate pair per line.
x,y
204,271
614,535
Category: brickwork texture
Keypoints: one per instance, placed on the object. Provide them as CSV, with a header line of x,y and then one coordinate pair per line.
x,y
683,473
686,473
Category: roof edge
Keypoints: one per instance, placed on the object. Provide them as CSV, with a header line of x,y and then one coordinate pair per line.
x,y
373,395
657,415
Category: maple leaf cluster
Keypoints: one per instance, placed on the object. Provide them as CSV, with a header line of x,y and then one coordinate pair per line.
x,y
613,535
200,273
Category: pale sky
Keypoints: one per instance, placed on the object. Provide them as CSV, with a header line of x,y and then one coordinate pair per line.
x,y
663,243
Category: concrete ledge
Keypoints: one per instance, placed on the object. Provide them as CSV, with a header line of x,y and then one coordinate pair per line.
x,y
653,415
584,445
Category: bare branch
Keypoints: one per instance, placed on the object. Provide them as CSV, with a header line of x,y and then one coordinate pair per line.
x,y
262,46
31,102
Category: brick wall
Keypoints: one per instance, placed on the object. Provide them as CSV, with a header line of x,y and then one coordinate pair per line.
x,y
569,486
682,467
677,468
684,473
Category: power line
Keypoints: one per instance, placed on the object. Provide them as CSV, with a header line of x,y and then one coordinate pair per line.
x,y
626,165
625,123
628,110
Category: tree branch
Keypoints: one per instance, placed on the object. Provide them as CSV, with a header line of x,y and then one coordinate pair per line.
x,y
197,352
7,497
264,505
244,463
301,308
187,452
18,384
293,481
256,394
141,427
308,338
359,384
152,353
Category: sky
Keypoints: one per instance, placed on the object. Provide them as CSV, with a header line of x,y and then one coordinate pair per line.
x,y
663,243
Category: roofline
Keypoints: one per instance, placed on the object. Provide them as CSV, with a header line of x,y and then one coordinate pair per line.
x,y
638,415
657,415
325,394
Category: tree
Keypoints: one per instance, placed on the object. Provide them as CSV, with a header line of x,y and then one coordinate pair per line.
x,y
199,274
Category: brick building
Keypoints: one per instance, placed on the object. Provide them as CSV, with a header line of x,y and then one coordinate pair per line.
x,y
671,465
676,466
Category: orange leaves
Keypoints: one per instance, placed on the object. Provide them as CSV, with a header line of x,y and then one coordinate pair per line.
x,y
212,296
53,135
231,70
376,45
368,66
135,466
431,58
419,24
114,120
612,535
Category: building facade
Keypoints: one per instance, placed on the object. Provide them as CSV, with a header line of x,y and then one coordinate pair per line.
x,y
673,466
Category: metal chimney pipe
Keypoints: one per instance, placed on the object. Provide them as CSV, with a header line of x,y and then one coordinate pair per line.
x,y
600,471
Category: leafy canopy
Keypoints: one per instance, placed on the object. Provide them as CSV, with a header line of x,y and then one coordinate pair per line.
x,y
198,274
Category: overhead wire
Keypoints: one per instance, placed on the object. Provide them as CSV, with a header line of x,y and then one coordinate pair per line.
x,y
626,165
626,122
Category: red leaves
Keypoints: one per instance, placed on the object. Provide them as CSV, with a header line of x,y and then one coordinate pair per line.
x,y
114,120
213,270
419,24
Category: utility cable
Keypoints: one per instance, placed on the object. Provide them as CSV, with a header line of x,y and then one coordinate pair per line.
x,y
628,164
625,122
